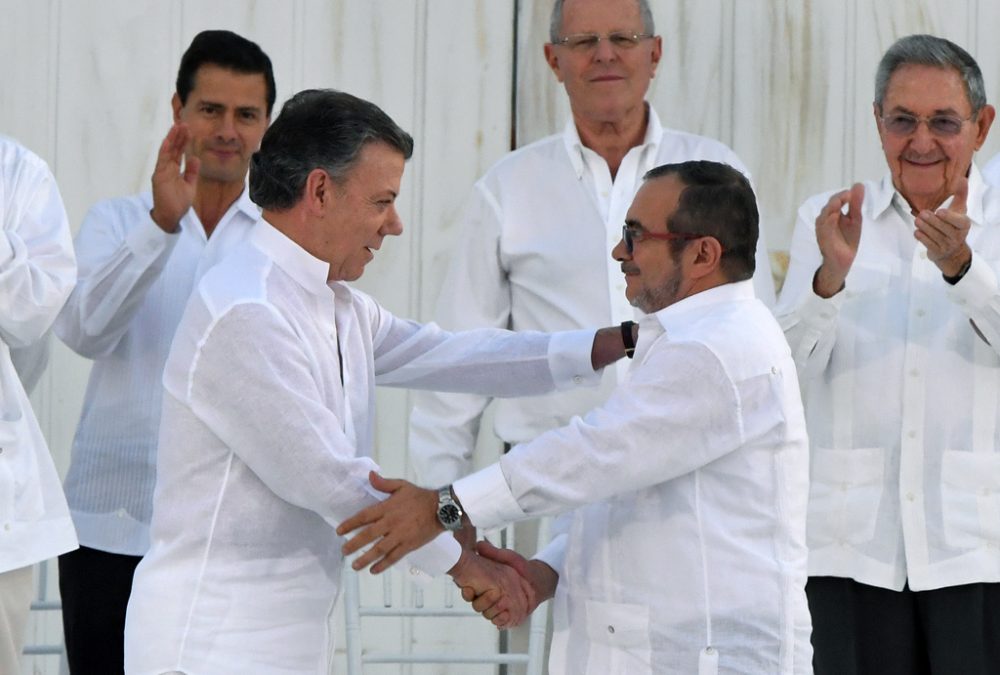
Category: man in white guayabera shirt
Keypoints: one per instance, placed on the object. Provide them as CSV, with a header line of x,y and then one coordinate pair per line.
x,y
140,256
892,310
37,271
688,487
268,413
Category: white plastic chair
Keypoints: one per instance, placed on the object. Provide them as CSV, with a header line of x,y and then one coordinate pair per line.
x,y
356,609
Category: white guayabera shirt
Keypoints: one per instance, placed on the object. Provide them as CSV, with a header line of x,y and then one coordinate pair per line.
x,y
265,447
37,272
686,552
902,399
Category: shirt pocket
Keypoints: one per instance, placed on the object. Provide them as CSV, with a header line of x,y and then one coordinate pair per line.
x,y
845,489
866,301
970,498
619,634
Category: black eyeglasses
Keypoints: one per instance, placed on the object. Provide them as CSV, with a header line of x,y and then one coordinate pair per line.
x,y
632,234
904,124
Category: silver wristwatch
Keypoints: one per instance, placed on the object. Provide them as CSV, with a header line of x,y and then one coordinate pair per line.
x,y
449,512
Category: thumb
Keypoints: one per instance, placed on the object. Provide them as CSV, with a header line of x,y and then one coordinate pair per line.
x,y
501,555
388,485
960,201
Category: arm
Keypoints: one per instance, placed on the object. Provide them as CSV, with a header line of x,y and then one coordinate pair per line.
x,y
123,248
976,293
680,401
37,267
824,245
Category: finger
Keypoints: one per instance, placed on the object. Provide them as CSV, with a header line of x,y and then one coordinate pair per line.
x,y
937,232
486,600
501,620
387,485
959,202
833,209
192,165
468,593
363,517
502,555
397,553
855,198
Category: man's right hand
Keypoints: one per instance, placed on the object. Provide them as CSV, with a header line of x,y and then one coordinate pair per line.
x,y
838,235
538,576
173,189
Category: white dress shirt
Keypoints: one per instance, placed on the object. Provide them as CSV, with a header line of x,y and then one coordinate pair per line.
x,y
535,254
37,272
134,282
902,399
687,549
991,172
268,429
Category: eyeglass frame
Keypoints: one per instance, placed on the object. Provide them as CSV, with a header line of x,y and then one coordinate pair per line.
x,y
629,238
928,120
632,43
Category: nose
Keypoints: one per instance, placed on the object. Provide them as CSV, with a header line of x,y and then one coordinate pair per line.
x,y
619,252
394,225
922,140
227,126
604,51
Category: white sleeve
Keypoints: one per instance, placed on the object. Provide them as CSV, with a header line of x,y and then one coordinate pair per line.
x,y
37,267
121,253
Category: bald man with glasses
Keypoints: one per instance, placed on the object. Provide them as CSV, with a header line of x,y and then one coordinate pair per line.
x,y
892,309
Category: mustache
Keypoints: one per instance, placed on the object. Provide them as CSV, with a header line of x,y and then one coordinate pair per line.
x,y
918,157
628,268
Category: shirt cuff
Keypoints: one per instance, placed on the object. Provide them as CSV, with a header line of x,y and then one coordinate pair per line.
x,y
978,285
435,557
554,553
486,498
148,241
821,313
570,359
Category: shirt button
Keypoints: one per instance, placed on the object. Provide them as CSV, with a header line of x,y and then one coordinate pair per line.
x,y
577,379
912,434
920,312
611,630
910,496
914,373
121,513
6,527
923,255
774,370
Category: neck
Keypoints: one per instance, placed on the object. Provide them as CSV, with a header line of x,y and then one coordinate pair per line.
x,y
612,139
212,199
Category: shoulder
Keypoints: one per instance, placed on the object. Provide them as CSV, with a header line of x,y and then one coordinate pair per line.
x,y
680,146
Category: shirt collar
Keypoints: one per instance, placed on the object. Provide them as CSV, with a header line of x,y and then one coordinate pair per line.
x,y
575,148
308,271
676,316
885,193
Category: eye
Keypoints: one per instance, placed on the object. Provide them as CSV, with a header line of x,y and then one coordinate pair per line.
x,y
625,40
249,115
584,41
945,125
900,123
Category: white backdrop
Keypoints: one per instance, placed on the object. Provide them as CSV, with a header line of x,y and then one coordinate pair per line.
x,y
786,83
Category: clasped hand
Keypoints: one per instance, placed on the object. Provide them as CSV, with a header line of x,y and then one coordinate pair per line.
x,y
406,521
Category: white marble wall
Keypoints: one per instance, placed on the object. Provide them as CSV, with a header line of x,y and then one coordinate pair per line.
x,y
787,83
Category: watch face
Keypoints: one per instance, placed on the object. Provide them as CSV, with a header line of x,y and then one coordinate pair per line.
x,y
449,513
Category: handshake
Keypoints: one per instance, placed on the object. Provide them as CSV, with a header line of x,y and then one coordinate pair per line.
x,y
502,585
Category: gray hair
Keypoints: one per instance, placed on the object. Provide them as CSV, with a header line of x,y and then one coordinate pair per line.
x,y
317,129
929,50
555,23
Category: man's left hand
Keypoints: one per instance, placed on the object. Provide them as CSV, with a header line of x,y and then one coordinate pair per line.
x,y
944,231
402,523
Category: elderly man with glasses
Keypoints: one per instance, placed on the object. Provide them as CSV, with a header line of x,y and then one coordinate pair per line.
x,y
892,310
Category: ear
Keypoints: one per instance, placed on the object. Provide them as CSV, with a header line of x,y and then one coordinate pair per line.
x,y
983,123
318,192
176,104
552,59
657,53
705,256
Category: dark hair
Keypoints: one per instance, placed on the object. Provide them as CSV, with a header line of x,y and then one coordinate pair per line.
x,y
929,50
317,128
717,201
228,50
